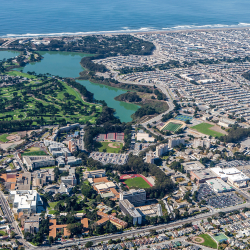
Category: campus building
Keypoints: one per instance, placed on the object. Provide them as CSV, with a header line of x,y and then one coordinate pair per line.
x,y
202,175
192,166
94,174
128,208
175,142
34,162
161,149
26,201
136,197
150,157
201,143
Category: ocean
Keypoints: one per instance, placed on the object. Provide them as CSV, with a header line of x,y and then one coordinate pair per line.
x,y
62,17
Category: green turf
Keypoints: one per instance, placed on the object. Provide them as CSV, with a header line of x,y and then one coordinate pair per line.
x,y
209,242
39,152
172,126
220,237
102,146
204,128
3,137
137,182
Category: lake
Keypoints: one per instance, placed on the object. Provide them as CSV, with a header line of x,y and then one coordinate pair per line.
x,y
67,64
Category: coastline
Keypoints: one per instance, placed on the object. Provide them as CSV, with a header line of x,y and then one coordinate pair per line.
x,y
176,29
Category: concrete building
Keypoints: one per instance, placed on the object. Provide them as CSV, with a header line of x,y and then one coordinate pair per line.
x,y
72,146
128,208
144,137
202,175
226,122
150,157
175,142
192,166
201,143
73,161
26,201
161,149
231,175
34,162
69,180
219,186
136,197
43,177
95,173
31,224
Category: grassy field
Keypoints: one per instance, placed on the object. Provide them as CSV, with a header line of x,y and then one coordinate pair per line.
x,y
51,207
172,126
209,242
204,128
34,151
137,182
104,147
49,96
3,137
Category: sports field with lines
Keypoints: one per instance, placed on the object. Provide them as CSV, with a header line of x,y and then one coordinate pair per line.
x,y
172,126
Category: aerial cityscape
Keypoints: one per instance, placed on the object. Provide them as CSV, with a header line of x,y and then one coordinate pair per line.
x,y
125,140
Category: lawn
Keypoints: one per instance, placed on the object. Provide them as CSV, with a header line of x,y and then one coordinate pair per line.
x,y
3,137
105,147
34,151
137,182
209,242
51,207
204,128
172,126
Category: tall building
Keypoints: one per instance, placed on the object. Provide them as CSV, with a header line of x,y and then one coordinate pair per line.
x,y
150,157
201,143
136,197
128,209
175,142
161,149
72,146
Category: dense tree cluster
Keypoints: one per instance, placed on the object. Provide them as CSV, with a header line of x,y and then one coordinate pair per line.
x,y
129,97
235,134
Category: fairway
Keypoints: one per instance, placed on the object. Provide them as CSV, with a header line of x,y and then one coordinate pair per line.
x,y
208,241
110,147
204,128
136,182
172,126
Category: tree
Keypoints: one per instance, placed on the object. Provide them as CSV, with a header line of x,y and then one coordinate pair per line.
x,y
89,244
51,240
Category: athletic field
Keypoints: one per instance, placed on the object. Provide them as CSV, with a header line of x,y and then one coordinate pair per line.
x,y
136,182
204,128
172,126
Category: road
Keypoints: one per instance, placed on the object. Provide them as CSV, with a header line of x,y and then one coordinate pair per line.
x,y
105,238
8,213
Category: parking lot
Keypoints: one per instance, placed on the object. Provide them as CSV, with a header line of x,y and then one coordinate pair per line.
x,y
217,200
109,157
224,200
229,164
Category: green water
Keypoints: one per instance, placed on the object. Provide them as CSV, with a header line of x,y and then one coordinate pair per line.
x,y
8,54
67,64
102,92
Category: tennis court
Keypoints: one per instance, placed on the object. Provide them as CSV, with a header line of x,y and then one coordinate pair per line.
x,y
172,126
220,238
183,118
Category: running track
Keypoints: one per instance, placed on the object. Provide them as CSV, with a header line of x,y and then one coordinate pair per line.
x,y
130,176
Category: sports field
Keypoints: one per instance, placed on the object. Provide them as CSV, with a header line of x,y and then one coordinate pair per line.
x,y
136,182
34,151
110,147
208,241
204,128
220,237
183,118
172,126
